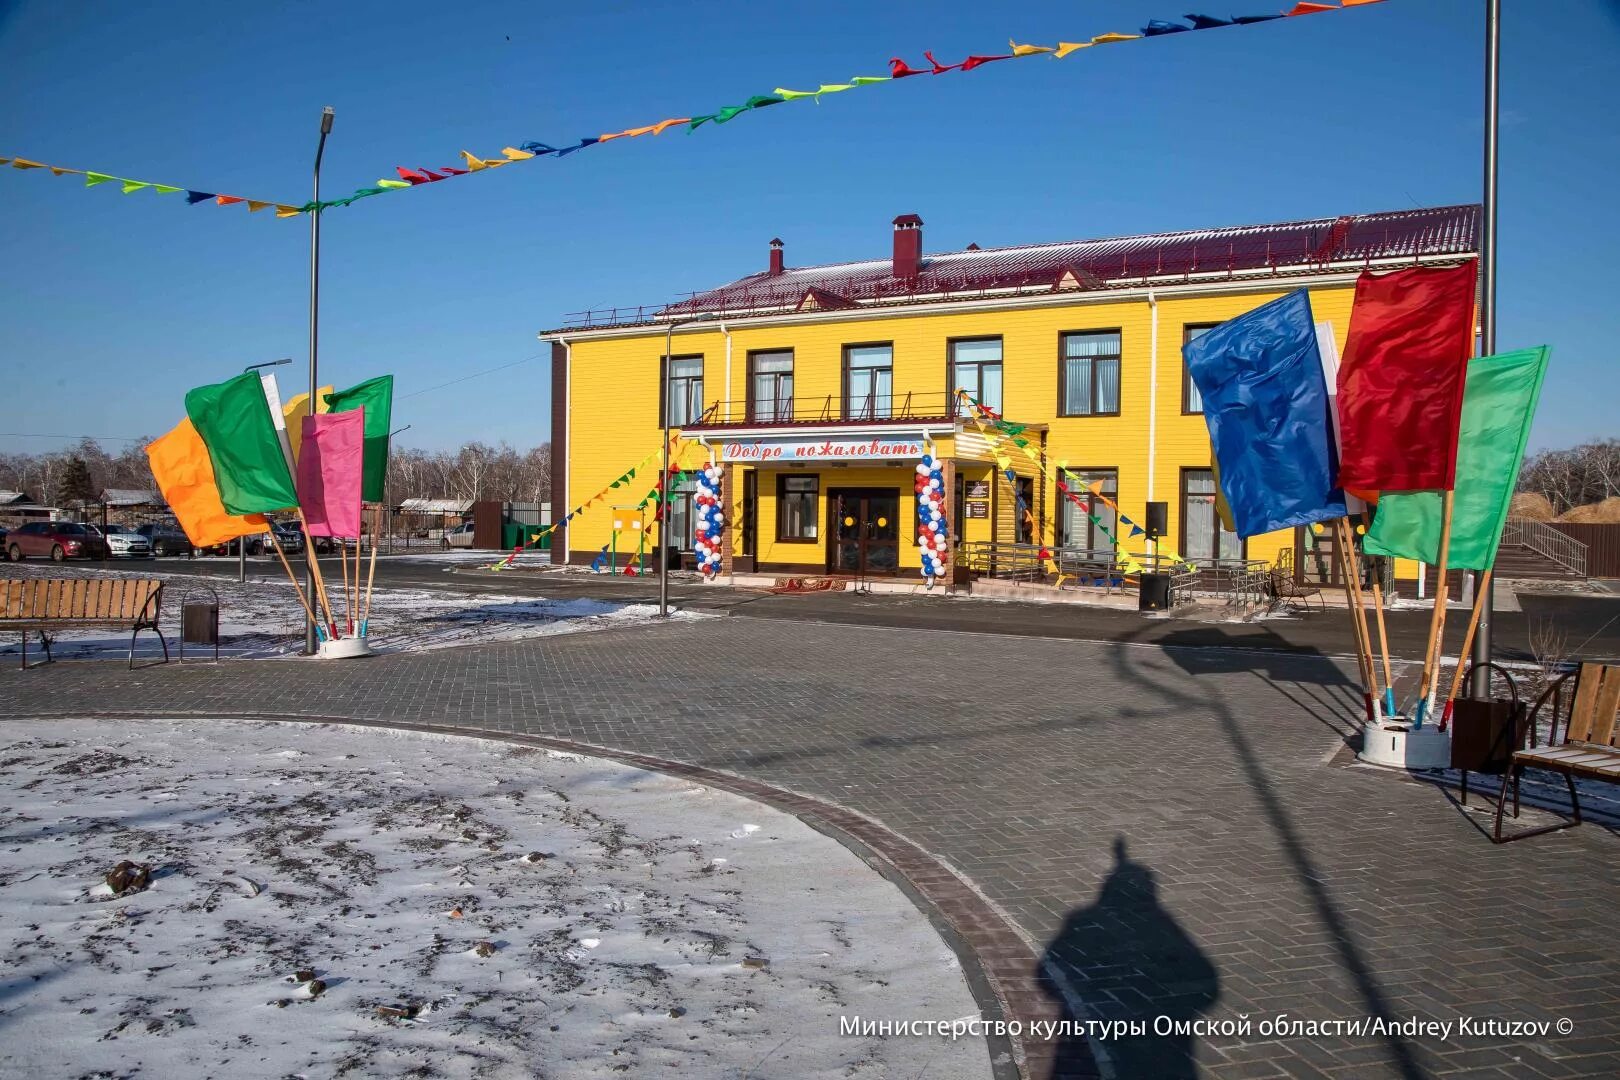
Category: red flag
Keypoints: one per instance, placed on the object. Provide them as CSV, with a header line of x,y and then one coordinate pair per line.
x,y
1401,378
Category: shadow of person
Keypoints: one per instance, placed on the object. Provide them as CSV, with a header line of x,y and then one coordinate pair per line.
x,y
1125,958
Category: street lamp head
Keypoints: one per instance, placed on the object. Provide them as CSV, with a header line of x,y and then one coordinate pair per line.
x,y
326,120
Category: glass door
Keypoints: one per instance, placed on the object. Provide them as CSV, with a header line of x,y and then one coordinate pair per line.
x,y
864,537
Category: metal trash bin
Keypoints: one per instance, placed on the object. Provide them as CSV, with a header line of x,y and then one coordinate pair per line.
x,y
199,625
1153,593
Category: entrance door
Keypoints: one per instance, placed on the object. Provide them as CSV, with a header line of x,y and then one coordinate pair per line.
x,y
864,534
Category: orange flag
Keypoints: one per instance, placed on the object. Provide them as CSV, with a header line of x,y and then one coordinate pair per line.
x,y
185,475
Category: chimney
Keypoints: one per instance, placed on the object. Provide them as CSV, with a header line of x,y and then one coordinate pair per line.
x,y
776,259
907,246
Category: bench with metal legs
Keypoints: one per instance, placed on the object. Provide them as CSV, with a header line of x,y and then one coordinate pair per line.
x,y
1589,749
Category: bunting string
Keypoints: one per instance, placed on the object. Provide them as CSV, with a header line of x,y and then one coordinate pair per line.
x,y
899,69
623,479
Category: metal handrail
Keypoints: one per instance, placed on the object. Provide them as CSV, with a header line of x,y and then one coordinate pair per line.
x,y
907,406
1547,542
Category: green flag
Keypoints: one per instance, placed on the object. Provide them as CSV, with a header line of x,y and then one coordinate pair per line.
x,y
376,396
1499,401
250,468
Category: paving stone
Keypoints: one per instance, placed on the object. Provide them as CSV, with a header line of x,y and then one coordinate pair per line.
x,y
1159,824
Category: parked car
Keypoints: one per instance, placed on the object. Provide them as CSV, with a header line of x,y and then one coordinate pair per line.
x,y
124,542
166,540
290,537
57,540
460,536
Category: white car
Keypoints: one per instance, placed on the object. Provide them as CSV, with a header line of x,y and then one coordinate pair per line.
x,y
460,536
124,542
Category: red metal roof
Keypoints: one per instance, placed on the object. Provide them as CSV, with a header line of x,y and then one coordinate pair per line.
x,y
1283,248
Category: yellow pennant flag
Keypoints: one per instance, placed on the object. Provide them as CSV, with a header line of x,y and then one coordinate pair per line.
x,y
793,95
295,409
253,206
58,170
24,163
185,475
287,211
1104,39
1027,50
392,184
514,154
1066,47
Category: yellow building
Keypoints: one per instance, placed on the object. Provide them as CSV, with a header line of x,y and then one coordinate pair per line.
x,y
818,389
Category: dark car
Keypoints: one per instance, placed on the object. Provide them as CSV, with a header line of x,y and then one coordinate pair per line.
x,y
166,540
60,540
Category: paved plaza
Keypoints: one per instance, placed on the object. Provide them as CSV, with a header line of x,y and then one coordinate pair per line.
x,y
1111,830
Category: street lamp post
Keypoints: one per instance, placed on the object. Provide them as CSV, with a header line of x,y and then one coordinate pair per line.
x,y
1481,682
241,541
388,502
314,331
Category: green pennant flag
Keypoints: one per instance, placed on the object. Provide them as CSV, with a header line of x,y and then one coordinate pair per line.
x,y
250,468
1499,401
376,396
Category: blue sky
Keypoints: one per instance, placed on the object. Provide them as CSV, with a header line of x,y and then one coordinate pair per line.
x,y
111,306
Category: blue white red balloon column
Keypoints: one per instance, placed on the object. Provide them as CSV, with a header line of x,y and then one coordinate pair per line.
x,y
933,531
707,509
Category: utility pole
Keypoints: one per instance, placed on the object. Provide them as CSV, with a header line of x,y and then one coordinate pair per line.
x,y
1481,682
314,334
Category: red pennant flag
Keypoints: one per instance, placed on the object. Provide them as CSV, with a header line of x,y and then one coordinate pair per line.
x,y
899,69
976,61
411,177
939,69
1401,378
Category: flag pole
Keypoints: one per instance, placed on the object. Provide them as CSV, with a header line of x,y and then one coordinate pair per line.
x,y
294,578
1483,591
1383,645
315,571
1353,561
371,576
1352,600
1437,621
348,611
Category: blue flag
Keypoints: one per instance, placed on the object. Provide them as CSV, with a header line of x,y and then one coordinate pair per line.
x,y
1266,403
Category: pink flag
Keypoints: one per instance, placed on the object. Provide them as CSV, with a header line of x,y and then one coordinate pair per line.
x,y
329,471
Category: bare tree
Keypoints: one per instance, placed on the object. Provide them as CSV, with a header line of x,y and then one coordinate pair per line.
x,y
1576,476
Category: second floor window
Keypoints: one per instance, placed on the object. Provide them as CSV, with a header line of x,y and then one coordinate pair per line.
x,y
1088,374
976,368
1191,400
868,381
770,386
683,389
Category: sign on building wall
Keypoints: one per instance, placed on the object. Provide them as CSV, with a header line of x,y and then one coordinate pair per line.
x,y
978,489
978,508
841,449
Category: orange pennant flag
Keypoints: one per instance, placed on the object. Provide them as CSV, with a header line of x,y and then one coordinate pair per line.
x,y
663,125
1312,9
24,163
185,475
226,200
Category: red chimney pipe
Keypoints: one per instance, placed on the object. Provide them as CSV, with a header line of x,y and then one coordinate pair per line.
x,y
776,258
907,246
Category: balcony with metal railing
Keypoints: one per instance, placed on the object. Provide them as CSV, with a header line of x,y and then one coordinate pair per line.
x,y
829,410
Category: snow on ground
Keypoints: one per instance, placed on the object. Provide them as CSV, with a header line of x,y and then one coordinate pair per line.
x,y
261,617
473,909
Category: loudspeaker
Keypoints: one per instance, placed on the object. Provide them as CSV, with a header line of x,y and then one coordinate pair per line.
x,y
1158,520
1153,592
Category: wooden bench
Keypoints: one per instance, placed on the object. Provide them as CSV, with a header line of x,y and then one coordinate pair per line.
x,y
54,604
1590,748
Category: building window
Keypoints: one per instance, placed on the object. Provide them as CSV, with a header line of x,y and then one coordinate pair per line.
x,y
868,381
1079,530
770,386
1191,400
796,506
976,368
1202,537
1088,374
679,509
683,389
